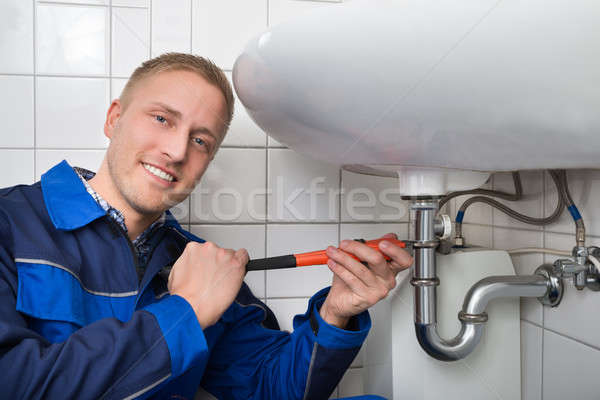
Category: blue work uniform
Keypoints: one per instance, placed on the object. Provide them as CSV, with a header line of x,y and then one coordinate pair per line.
x,y
77,322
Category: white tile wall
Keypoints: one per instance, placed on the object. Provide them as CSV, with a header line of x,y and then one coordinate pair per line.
x,y
72,40
302,189
16,100
221,28
70,112
130,39
16,40
70,69
232,188
171,26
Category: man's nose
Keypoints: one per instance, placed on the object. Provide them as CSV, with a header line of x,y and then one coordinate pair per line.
x,y
175,145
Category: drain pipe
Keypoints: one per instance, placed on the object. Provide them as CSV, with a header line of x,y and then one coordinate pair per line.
x,y
472,316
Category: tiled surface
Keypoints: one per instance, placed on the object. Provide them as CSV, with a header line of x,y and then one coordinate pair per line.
x,y
171,26
286,309
116,87
478,235
17,167
352,383
16,99
250,237
222,28
72,40
283,10
569,369
243,131
232,188
130,39
16,37
70,112
525,264
373,199
302,189
292,239
531,361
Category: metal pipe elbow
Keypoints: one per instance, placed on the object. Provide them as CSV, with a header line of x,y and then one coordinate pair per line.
x,y
449,350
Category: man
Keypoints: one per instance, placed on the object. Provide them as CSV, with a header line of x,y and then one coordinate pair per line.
x,y
88,308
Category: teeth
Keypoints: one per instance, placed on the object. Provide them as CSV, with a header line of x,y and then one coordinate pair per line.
x,y
159,173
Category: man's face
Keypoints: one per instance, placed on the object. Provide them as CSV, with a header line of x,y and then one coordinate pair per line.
x,y
162,143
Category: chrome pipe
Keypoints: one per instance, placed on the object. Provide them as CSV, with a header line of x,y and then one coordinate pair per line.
x,y
472,315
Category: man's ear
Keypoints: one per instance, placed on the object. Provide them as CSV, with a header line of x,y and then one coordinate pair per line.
x,y
112,118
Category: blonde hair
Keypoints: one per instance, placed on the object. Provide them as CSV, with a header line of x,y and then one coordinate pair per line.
x,y
178,62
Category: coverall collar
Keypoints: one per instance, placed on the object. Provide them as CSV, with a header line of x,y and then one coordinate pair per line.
x,y
68,203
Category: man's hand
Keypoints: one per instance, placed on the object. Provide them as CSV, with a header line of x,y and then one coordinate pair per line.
x,y
209,278
357,287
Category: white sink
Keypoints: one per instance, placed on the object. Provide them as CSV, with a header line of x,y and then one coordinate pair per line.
x,y
477,85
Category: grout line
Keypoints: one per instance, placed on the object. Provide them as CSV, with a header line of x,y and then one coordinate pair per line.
x,y
339,232
149,16
110,49
268,6
289,298
34,91
266,211
191,26
271,223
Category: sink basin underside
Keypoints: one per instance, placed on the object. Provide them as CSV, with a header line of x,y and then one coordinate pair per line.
x,y
477,85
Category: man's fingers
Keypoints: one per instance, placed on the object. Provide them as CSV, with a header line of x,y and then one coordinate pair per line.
x,y
374,258
355,284
390,236
396,253
242,256
351,264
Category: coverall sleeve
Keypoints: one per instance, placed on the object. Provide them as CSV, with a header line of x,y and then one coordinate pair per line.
x,y
107,359
252,361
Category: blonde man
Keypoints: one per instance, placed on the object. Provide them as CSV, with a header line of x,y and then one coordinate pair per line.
x,y
88,308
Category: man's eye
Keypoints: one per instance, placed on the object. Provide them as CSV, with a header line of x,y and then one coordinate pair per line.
x,y
160,119
199,141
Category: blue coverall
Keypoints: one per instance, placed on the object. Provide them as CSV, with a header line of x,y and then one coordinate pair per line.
x,y
76,322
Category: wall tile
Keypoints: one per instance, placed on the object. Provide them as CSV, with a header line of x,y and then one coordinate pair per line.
x,y
584,186
243,131
70,112
16,43
72,40
221,28
91,2
371,198
525,264
286,309
232,189
17,167
116,87
531,361
477,235
531,204
16,111
130,39
88,159
171,26
302,189
283,10
352,383
293,239
572,316
250,237
569,369
133,3
274,143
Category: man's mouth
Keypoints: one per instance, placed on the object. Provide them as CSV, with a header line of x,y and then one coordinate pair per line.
x,y
159,173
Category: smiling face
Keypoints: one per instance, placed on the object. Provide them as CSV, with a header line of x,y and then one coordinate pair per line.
x,y
161,144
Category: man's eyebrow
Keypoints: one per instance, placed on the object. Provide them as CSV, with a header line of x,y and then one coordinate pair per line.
x,y
204,130
168,109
